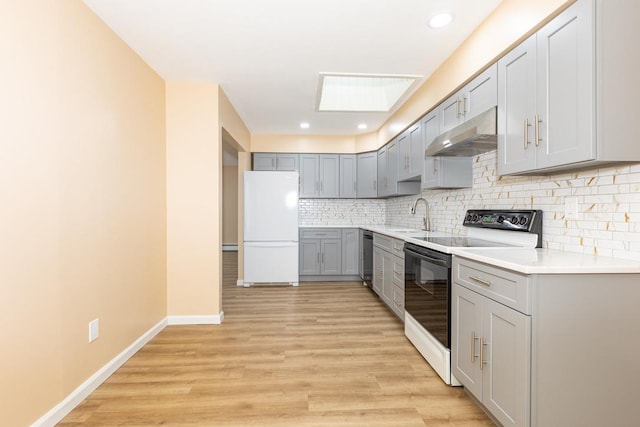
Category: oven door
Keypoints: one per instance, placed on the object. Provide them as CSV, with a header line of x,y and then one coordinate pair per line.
x,y
427,290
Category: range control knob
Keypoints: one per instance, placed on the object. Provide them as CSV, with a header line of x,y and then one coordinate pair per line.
x,y
500,219
523,220
514,220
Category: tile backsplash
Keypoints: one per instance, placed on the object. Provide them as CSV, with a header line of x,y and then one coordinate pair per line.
x,y
313,212
607,221
608,206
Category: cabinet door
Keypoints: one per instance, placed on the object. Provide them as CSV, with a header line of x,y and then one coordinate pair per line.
x,y
507,353
382,172
481,93
450,115
466,332
330,256
392,168
566,88
287,162
309,257
516,108
348,176
329,176
377,270
367,175
350,251
404,149
410,153
387,278
416,151
430,130
264,161
309,175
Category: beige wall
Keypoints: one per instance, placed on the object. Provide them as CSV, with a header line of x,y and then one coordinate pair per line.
x,y
510,23
194,197
82,184
230,205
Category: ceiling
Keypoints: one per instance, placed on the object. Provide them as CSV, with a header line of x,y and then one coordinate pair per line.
x,y
267,55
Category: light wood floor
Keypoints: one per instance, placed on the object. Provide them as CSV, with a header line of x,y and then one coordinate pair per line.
x,y
322,354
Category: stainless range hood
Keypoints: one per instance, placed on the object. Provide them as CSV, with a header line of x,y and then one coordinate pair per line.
x,y
475,136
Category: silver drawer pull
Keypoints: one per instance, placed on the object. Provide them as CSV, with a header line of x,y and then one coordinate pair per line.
x,y
481,281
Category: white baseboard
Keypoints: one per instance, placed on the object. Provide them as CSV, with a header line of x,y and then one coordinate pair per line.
x,y
211,319
63,408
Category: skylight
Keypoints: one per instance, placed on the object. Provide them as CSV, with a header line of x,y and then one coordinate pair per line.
x,y
362,92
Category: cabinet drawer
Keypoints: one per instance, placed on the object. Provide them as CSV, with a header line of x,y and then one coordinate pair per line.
x,y
504,286
397,303
398,248
398,272
382,241
320,233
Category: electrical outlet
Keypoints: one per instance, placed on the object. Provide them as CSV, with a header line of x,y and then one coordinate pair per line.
x,y
571,208
94,330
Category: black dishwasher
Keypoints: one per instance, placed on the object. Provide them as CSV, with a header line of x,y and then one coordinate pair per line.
x,y
366,257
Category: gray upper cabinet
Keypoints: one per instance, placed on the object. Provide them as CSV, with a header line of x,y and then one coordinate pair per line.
x,y
319,176
275,161
382,172
410,151
309,175
350,251
563,95
287,162
477,96
348,176
546,96
388,170
367,169
442,172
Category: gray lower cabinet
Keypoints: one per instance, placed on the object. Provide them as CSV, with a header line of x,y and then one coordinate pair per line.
x,y
275,161
388,272
321,255
442,172
329,252
546,350
367,181
492,356
351,251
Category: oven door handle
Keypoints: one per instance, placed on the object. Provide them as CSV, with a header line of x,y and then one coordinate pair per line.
x,y
427,258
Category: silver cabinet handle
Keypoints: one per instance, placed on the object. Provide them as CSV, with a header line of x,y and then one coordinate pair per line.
x,y
464,105
481,281
354,186
474,338
537,130
435,166
457,108
527,125
483,362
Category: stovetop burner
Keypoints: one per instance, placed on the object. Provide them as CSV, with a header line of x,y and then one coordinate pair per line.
x,y
463,242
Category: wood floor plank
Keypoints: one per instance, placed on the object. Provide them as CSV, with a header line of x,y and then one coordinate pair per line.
x,y
321,354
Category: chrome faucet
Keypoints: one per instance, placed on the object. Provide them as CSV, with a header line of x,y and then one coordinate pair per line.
x,y
427,226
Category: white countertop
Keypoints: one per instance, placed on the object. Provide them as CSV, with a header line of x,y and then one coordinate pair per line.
x,y
523,260
547,261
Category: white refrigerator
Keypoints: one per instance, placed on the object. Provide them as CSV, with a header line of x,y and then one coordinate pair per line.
x,y
270,227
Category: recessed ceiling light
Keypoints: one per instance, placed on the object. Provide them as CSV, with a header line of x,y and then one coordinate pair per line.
x,y
362,126
362,92
440,20
304,125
